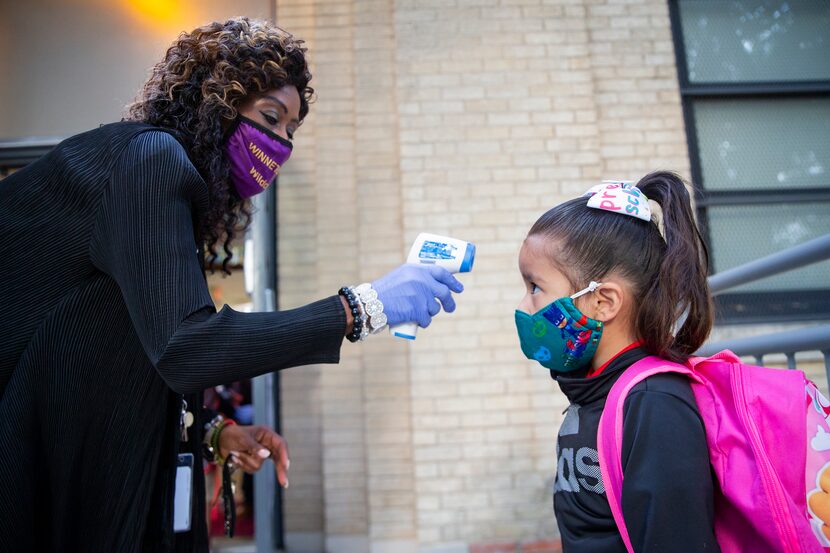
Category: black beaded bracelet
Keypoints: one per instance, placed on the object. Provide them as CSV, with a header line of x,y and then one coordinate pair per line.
x,y
354,306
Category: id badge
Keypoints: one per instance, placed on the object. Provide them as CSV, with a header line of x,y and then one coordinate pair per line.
x,y
184,493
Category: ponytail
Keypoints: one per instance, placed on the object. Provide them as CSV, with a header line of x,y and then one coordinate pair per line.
x,y
679,290
667,274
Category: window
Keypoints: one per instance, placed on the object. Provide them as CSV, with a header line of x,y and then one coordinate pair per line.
x,y
755,86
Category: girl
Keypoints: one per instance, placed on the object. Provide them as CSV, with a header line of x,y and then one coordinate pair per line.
x,y
605,288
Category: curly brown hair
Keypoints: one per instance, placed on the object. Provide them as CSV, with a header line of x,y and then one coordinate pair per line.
x,y
195,91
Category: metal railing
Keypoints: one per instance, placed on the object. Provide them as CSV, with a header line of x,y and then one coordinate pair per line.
x,y
790,342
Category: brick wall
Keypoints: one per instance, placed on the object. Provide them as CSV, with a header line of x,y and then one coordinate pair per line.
x,y
470,118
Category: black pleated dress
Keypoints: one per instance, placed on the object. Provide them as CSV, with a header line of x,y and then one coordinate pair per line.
x,y
106,325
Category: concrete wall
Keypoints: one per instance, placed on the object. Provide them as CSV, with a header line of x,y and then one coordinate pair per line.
x,y
70,65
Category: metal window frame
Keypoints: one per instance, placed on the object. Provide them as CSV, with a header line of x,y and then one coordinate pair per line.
x,y
19,153
729,305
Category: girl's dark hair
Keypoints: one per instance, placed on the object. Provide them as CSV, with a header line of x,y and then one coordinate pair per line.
x,y
668,277
195,91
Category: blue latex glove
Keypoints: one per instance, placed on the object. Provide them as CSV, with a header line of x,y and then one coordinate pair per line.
x,y
409,293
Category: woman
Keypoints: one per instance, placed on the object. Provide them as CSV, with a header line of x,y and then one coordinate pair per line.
x,y
110,335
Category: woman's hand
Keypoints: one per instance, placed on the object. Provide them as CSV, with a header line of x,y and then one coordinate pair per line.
x,y
409,293
248,446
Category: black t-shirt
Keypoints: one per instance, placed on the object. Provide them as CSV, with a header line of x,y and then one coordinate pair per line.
x,y
667,495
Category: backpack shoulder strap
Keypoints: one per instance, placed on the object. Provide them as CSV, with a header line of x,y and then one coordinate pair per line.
x,y
609,434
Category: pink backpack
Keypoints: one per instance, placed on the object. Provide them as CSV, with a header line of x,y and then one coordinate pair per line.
x,y
769,446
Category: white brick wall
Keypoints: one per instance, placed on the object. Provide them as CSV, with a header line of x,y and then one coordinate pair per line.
x,y
470,118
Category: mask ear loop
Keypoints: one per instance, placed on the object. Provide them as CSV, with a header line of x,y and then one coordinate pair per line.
x,y
232,128
592,286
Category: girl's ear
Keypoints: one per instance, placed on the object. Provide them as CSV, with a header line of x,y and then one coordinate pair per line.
x,y
606,302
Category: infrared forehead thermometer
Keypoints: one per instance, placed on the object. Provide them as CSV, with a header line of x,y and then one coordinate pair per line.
x,y
455,255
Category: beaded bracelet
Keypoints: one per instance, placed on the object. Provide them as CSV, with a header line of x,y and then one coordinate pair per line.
x,y
354,306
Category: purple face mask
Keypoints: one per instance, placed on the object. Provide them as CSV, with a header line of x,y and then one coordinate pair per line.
x,y
255,155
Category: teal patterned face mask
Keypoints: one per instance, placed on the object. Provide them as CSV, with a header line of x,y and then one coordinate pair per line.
x,y
560,336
